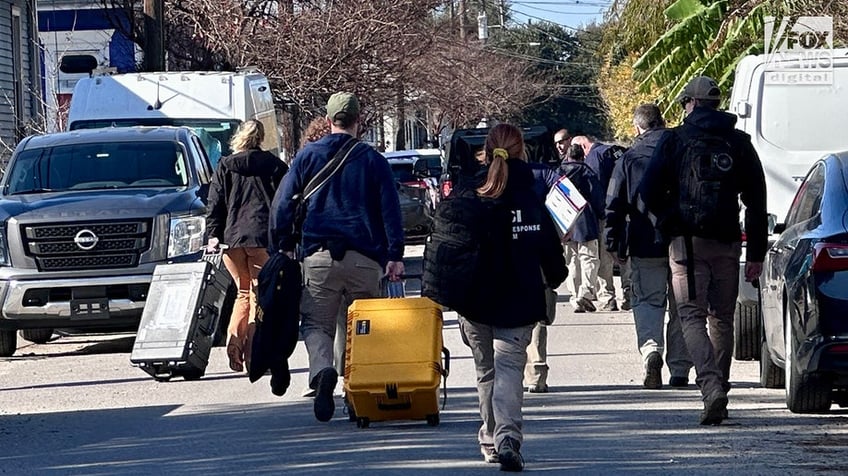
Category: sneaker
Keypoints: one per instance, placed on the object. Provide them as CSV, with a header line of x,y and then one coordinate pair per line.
x,y
538,388
715,408
610,306
626,306
653,371
489,453
308,392
509,456
325,383
679,382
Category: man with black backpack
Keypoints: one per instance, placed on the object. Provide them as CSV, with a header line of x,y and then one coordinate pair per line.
x,y
697,175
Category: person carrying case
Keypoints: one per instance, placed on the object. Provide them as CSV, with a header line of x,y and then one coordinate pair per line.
x,y
180,318
393,359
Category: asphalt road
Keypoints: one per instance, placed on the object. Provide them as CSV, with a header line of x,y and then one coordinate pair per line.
x,y
77,406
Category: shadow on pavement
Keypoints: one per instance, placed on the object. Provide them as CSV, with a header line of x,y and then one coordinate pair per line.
x,y
622,430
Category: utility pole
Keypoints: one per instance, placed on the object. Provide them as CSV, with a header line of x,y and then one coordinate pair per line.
x,y
154,35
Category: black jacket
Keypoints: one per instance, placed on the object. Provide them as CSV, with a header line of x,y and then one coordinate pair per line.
x,y
277,330
660,186
508,288
630,230
240,196
585,228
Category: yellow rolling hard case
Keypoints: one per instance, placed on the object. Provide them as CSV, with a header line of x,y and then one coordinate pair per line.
x,y
394,363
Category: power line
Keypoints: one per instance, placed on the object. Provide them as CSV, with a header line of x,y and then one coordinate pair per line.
x,y
569,3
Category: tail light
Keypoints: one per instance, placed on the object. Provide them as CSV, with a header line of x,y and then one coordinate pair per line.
x,y
416,184
830,257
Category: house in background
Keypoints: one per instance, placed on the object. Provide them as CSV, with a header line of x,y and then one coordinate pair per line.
x,y
20,83
75,35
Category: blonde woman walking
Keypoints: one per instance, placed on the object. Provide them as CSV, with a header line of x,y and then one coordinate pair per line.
x,y
239,202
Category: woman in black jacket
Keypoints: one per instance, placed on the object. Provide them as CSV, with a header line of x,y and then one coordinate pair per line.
x,y
508,291
238,207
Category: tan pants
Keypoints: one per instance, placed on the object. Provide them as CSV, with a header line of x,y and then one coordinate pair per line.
x,y
716,285
244,265
536,370
328,285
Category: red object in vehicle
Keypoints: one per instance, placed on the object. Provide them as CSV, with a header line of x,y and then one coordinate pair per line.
x,y
447,186
830,257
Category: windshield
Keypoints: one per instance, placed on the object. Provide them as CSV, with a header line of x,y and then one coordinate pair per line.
x,y
803,116
214,134
112,165
403,172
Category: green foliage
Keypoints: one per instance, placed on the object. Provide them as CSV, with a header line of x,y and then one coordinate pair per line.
x,y
708,38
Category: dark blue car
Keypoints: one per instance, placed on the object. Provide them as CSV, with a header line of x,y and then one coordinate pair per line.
x,y
805,294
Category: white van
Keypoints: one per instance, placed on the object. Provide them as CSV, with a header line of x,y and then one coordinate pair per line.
x,y
213,103
791,125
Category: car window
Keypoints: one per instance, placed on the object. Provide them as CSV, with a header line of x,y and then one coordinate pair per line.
x,y
204,168
807,202
429,165
100,165
403,172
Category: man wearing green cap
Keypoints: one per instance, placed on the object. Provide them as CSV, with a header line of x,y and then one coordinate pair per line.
x,y
351,236
697,175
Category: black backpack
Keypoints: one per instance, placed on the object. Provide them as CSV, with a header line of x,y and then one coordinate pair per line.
x,y
708,189
452,251
614,152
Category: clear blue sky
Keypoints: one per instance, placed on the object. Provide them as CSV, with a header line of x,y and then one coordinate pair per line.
x,y
569,13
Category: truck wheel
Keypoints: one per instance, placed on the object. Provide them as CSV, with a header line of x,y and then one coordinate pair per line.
x,y
37,336
771,376
747,332
8,343
806,392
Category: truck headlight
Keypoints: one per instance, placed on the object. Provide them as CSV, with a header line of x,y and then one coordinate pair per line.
x,y
186,235
4,248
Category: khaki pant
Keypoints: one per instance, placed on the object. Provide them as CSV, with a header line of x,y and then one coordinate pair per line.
x,y
536,370
327,286
716,285
582,261
499,358
651,278
244,265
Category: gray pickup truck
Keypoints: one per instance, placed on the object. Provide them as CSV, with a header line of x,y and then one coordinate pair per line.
x,y
85,217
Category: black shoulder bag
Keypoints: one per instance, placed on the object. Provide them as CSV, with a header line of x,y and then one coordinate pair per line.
x,y
322,177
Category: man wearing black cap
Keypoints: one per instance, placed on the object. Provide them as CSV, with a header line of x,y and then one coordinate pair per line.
x,y
698,173
352,234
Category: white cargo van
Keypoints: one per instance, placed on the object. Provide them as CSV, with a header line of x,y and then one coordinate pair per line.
x,y
791,124
213,103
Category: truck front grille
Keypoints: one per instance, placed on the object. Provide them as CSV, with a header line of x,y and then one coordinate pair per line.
x,y
86,245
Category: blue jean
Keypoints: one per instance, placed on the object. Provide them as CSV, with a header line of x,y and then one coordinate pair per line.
x,y
499,358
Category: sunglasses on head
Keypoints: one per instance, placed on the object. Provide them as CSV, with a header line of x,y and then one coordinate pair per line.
x,y
684,101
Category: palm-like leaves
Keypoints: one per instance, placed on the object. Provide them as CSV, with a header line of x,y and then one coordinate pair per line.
x,y
708,38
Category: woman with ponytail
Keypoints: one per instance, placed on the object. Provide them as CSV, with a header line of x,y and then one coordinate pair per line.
x,y
507,290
